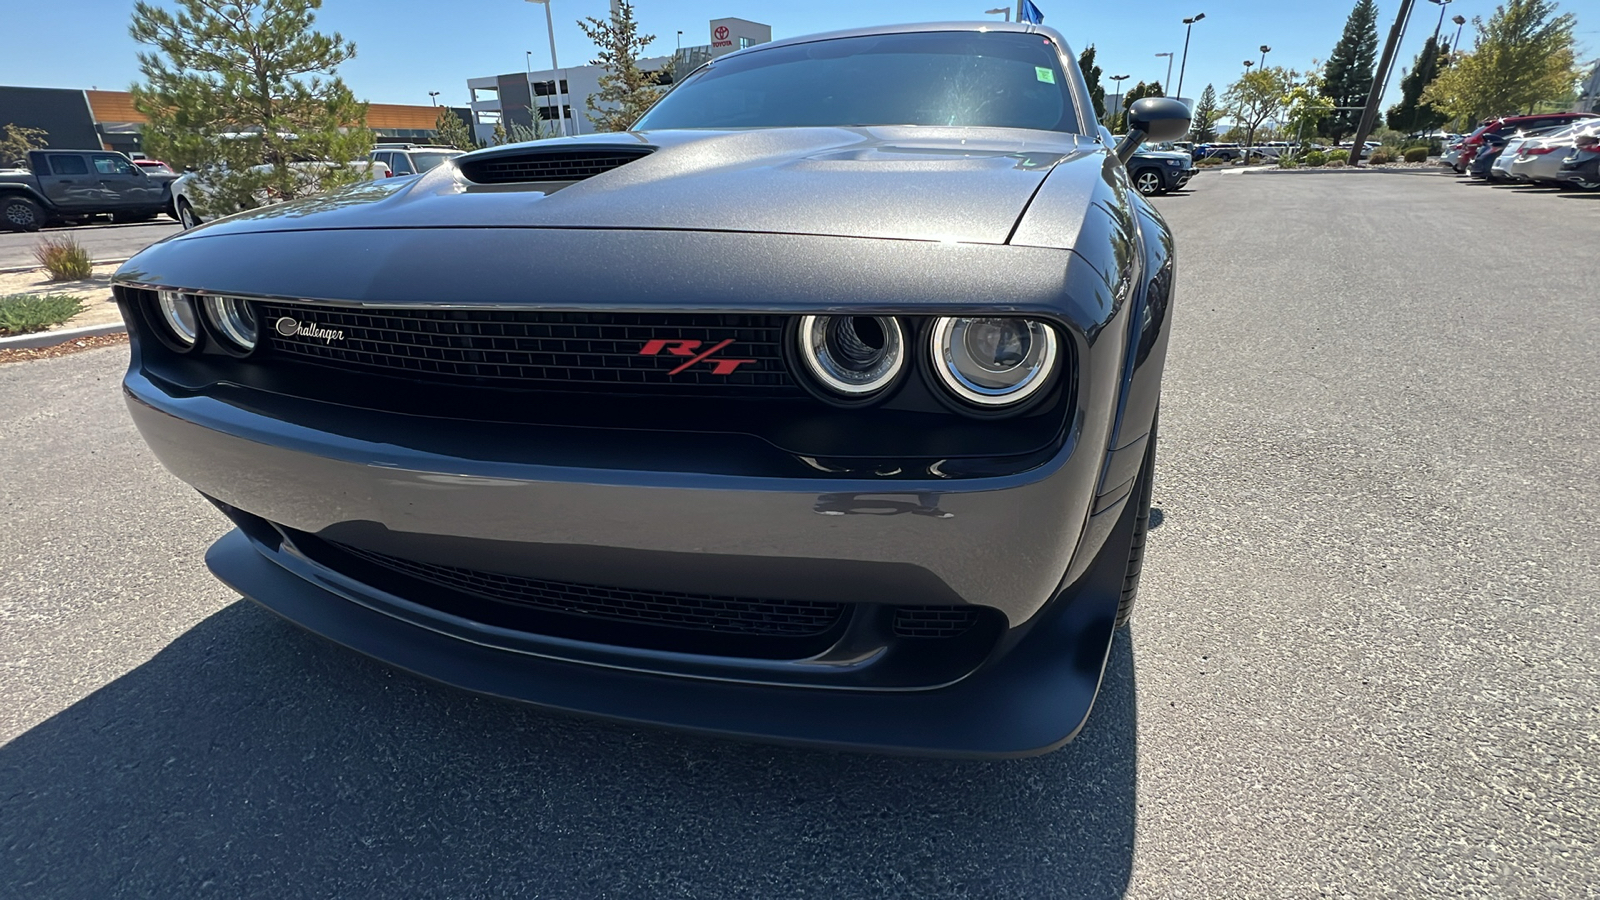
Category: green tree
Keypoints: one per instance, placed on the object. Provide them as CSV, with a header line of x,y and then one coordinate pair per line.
x,y
1257,96
1305,108
500,136
1137,92
1091,77
15,142
1523,56
450,131
626,91
1206,116
1347,78
241,89
1411,114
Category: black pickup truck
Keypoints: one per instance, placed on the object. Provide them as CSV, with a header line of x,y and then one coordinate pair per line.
x,y
70,185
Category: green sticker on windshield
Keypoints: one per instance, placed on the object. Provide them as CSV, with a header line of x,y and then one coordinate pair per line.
x,y
1044,75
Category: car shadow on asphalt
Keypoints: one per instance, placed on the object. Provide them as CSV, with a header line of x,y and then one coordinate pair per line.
x,y
249,758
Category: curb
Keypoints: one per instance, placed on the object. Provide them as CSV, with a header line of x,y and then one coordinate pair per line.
x,y
52,338
12,270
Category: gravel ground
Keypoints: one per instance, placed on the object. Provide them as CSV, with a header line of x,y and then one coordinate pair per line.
x,y
1364,664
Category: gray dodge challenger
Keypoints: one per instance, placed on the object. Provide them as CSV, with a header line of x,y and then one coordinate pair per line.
x,y
819,407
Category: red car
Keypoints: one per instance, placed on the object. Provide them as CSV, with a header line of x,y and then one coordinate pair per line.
x,y
1509,125
153,165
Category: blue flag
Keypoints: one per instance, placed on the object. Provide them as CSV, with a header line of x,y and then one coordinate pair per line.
x,y
1027,12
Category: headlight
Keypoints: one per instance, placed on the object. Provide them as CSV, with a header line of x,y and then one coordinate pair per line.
x,y
1174,162
852,355
234,319
177,312
993,362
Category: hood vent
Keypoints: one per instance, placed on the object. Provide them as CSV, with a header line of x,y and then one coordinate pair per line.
x,y
547,166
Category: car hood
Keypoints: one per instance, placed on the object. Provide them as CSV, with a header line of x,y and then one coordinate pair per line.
x,y
968,185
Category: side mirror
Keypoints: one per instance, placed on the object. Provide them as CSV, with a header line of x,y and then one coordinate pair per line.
x,y
1153,119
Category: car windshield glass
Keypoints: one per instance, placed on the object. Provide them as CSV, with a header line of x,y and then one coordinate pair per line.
x,y
940,78
425,161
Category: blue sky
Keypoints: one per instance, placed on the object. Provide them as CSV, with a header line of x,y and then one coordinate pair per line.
x,y
407,48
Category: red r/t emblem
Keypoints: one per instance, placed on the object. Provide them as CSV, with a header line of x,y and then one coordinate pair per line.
x,y
688,348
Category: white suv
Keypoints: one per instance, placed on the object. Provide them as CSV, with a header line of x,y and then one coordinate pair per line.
x,y
410,159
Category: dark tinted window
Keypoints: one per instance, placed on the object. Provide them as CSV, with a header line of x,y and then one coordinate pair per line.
x,y
68,164
401,165
939,78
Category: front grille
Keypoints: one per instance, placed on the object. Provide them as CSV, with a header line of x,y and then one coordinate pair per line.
x,y
569,351
934,621
546,166
702,612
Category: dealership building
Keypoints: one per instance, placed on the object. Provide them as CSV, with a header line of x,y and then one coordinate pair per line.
x,y
558,98
107,120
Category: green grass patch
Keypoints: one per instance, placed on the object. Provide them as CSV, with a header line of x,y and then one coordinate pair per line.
x,y
25,313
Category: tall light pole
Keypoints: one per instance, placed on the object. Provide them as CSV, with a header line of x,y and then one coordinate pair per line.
x,y
1455,46
1264,51
1188,27
995,12
1431,63
550,27
1116,104
433,97
1166,86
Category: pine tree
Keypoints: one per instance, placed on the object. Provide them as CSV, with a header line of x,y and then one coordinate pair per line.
x,y
500,137
1204,126
626,91
1522,57
17,140
1091,77
1347,79
1411,114
241,90
450,131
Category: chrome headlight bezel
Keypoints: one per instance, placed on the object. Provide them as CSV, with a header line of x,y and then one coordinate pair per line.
x,y
972,394
234,321
177,320
825,375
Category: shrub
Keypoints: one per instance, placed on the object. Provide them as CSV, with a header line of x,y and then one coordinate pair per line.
x,y
22,313
1316,159
1335,163
1416,154
1288,161
1380,156
65,260
1339,156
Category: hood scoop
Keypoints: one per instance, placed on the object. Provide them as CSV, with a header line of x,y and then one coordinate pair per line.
x,y
548,166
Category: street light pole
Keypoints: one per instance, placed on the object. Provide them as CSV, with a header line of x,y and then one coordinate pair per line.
x,y
1166,86
1264,51
1006,10
1188,28
550,27
433,97
1455,46
1116,105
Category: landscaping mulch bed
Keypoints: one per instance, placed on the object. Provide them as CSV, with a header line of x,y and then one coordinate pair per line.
x,y
73,346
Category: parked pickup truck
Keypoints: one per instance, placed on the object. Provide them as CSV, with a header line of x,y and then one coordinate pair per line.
x,y
68,185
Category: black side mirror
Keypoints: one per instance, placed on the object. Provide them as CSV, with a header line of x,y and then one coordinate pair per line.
x,y
1153,119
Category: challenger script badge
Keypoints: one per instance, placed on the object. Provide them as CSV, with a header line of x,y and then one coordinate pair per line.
x,y
290,328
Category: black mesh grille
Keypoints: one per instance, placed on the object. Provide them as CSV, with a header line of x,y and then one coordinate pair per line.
x,y
703,612
575,351
572,165
934,621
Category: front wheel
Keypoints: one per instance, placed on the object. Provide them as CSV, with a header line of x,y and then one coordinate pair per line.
x,y
1148,181
1142,493
21,214
186,216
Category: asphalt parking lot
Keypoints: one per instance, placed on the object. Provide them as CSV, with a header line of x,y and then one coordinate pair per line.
x,y
103,241
1364,663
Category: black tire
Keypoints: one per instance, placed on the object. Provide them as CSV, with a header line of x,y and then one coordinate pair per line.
x,y
1147,181
19,213
186,216
1142,492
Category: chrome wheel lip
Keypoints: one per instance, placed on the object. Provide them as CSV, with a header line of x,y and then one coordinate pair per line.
x,y
939,335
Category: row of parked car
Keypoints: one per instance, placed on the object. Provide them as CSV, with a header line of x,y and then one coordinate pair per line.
x,y
1553,149
79,186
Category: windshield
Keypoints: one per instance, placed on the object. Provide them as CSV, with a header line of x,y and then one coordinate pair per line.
x,y
426,160
940,78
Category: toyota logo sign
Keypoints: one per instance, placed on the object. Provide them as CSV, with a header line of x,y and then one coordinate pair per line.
x,y
721,33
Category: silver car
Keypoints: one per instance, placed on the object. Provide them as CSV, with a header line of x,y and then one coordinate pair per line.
x,y
1501,170
1539,161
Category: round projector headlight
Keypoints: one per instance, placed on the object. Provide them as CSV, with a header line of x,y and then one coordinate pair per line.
x,y
177,311
852,355
234,319
993,362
